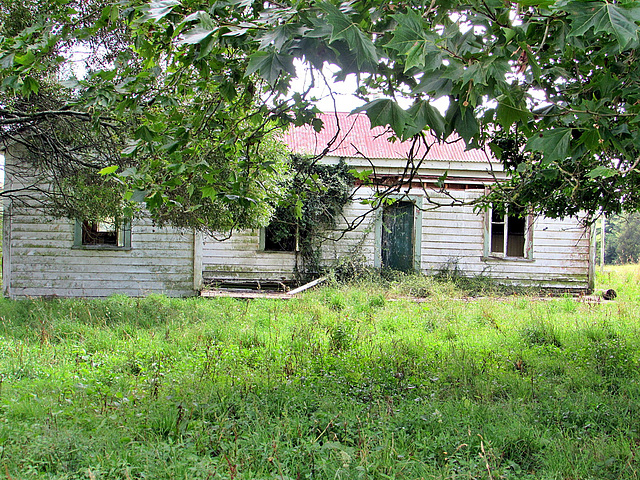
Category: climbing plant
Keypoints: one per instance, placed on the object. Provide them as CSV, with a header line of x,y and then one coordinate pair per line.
x,y
319,193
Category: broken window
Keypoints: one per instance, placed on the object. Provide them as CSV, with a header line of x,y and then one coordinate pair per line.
x,y
281,235
104,233
509,233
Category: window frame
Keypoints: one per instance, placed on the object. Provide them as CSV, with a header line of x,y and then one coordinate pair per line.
x,y
488,238
263,242
123,233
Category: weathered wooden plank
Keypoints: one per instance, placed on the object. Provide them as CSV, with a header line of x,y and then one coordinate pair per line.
x,y
54,291
307,286
54,247
455,244
108,284
454,217
539,272
113,272
149,267
504,266
244,294
247,242
45,233
258,271
24,226
262,255
559,243
444,231
262,274
475,252
242,250
44,251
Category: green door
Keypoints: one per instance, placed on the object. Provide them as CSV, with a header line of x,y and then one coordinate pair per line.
x,y
398,237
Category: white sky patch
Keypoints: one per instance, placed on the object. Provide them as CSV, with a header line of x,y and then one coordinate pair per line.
x,y
338,96
331,95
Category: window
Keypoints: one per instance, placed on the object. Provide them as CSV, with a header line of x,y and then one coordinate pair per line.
x,y
106,233
509,234
280,236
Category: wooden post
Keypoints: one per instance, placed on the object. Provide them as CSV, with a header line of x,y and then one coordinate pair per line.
x,y
197,261
602,244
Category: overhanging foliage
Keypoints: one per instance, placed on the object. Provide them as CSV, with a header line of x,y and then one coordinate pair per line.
x,y
191,81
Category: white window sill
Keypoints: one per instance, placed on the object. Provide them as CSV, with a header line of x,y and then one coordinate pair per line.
x,y
495,258
101,247
277,251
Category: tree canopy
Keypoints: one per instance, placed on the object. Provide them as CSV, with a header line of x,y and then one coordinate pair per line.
x,y
622,239
196,89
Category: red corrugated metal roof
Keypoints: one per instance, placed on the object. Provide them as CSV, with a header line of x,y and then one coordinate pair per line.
x,y
356,138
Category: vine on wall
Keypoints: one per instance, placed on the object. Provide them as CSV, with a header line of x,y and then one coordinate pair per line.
x,y
319,194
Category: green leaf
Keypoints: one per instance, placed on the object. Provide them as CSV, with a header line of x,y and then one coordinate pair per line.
x,y
144,133
270,65
26,59
411,38
509,33
297,209
535,66
342,28
476,73
30,85
108,170
195,36
158,9
549,173
463,121
605,17
281,35
440,182
495,149
138,196
553,143
131,148
362,175
425,115
155,200
434,84
507,113
602,172
71,83
535,3
383,112
209,192
7,61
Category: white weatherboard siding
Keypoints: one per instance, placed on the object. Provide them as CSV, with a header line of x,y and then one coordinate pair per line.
x,y
354,245
453,237
40,258
450,237
44,262
239,257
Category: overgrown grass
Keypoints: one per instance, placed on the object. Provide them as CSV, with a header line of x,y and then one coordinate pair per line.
x,y
344,382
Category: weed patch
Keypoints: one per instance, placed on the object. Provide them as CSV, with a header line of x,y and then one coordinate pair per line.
x,y
339,383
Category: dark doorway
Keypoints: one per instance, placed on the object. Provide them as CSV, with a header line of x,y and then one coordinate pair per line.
x,y
398,237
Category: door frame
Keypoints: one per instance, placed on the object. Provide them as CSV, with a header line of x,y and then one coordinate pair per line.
x,y
417,230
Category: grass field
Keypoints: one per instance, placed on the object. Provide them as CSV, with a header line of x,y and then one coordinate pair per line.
x,y
344,382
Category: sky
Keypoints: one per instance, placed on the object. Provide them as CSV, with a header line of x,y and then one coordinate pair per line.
x,y
344,100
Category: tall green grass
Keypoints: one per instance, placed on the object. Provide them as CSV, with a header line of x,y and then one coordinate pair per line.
x,y
344,382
